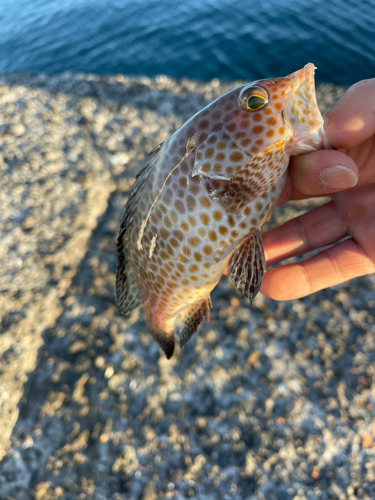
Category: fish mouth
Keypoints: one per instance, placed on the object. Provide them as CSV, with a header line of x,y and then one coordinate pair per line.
x,y
303,89
302,114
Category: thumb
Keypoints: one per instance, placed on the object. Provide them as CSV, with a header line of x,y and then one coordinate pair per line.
x,y
323,172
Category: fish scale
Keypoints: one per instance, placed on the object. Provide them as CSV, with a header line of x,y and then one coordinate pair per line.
x,y
200,201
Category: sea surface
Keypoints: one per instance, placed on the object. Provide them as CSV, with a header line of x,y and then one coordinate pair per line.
x,y
203,39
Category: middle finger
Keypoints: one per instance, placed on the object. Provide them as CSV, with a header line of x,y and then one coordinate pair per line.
x,y
315,229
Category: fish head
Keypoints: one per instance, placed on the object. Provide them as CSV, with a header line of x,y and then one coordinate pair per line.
x,y
277,109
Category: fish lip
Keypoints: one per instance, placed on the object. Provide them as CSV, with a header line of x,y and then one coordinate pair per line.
x,y
313,142
301,77
303,74
307,136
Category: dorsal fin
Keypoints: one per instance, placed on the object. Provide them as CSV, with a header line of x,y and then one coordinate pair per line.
x,y
156,149
127,293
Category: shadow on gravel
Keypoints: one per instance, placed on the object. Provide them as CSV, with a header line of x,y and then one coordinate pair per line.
x,y
276,391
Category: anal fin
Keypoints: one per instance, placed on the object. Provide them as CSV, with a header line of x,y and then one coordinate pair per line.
x,y
192,318
247,265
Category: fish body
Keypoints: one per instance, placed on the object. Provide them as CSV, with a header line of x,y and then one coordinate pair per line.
x,y
200,201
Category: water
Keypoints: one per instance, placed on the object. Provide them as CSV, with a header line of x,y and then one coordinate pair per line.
x,y
202,39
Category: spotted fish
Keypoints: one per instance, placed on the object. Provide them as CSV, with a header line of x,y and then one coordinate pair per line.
x,y
200,201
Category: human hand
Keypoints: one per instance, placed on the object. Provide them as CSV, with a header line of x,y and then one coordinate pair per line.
x,y
350,128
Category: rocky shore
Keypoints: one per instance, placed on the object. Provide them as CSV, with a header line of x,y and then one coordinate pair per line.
x,y
270,402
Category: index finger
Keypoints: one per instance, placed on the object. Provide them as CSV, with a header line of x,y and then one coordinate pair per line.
x,y
352,120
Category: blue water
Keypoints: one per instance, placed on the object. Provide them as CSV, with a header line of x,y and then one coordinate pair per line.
x,y
201,39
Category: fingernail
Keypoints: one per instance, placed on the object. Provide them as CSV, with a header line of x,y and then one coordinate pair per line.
x,y
338,177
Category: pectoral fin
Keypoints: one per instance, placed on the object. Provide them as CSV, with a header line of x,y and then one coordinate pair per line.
x,y
191,319
259,175
247,265
249,180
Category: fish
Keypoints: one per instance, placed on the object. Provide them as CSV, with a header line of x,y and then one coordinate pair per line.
x,y
197,206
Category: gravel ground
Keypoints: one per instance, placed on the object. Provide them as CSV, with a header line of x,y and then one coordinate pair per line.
x,y
274,401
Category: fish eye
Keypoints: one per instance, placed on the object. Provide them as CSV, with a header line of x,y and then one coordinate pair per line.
x,y
255,102
254,98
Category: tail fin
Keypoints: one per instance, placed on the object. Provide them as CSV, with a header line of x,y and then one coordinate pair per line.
x,y
162,327
163,338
